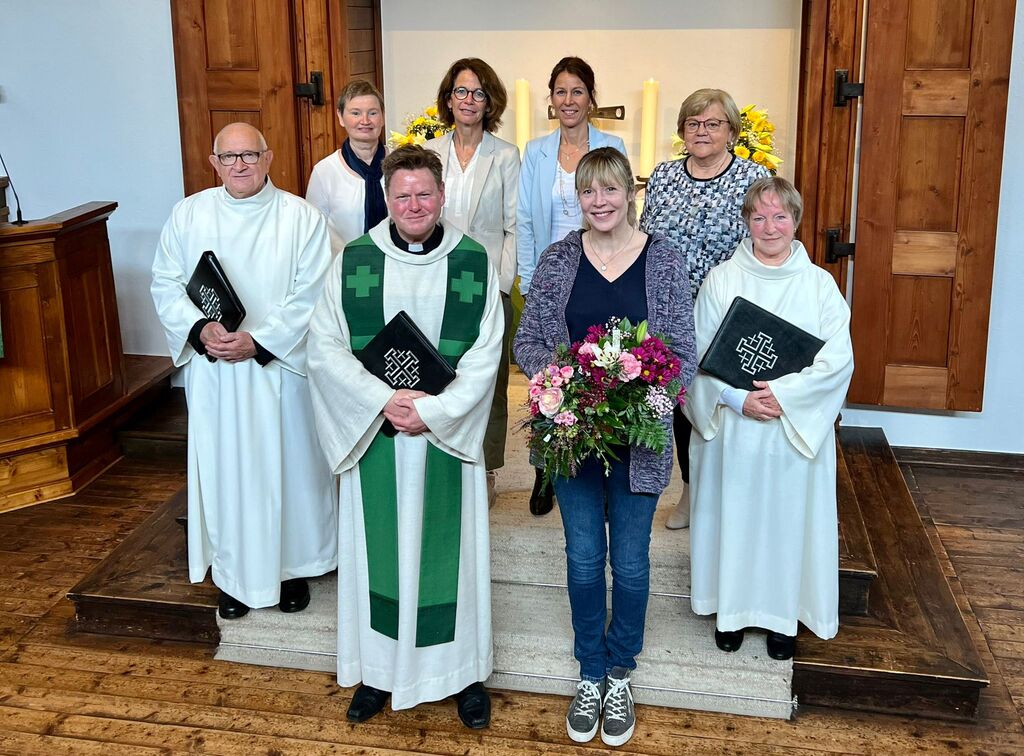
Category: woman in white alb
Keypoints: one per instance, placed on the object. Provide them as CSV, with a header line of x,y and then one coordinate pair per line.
x,y
764,543
346,186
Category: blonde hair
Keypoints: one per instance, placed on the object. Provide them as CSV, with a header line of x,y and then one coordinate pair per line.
x,y
607,166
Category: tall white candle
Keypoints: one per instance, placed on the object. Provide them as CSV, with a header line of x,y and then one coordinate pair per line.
x,y
522,114
648,127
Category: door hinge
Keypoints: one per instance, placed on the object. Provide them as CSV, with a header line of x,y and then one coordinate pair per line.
x,y
835,249
846,90
313,90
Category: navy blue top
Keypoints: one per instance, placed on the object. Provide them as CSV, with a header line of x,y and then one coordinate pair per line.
x,y
594,299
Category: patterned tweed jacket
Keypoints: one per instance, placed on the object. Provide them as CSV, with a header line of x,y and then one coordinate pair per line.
x,y
669,312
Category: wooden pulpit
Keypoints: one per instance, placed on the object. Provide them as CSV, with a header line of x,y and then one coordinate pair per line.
x,y
62,367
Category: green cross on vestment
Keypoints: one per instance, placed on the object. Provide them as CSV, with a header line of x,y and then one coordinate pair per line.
x,y
363,280
467,287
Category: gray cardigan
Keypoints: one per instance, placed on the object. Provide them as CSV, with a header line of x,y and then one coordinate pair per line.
x,y
669,312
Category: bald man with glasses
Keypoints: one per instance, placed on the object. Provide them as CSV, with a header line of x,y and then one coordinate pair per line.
x,y
262,509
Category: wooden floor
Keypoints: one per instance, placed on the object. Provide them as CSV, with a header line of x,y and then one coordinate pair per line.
x,y
83,694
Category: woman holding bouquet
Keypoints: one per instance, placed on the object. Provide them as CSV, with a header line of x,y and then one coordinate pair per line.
x,y
548,208
696,203
610,270
764,546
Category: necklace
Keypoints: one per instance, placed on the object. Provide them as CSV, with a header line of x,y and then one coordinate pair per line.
x,y
461,147
567,154
570,203
613,255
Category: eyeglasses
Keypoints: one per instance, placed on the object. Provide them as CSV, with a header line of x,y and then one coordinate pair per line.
x,y
692,125
461,93
248,157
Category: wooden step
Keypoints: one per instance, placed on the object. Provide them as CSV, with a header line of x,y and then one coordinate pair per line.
x,y
856,559
159,431
913,650
142,588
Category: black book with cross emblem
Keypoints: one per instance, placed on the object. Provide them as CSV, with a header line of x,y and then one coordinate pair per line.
x,y
753,344
211,291
402,357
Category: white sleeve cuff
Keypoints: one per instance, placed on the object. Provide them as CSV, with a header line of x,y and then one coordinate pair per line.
x,y
733,398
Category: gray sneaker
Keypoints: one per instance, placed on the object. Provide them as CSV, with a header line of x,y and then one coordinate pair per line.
x,y
584,711
619,715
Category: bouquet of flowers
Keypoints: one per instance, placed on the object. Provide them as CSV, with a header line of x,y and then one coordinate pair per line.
x,y
419,129
756,140
614,388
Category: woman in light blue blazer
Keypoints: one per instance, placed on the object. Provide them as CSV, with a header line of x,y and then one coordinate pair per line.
x,y
548,205
481,177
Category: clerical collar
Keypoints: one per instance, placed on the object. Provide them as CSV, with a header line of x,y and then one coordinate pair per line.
x,y
432,243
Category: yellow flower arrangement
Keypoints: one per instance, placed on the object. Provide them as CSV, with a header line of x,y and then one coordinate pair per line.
x,y
756,140
418,129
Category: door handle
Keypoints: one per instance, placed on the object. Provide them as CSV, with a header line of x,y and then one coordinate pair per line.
x,y
313,90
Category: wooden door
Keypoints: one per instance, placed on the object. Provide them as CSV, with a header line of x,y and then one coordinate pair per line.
x,y
234,62
935,88
239,60
830,41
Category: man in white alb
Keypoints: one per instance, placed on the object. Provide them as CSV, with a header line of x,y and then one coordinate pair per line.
x,y
261,502
414,601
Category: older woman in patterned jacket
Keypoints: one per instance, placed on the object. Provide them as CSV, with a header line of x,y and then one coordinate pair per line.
x,y
696,203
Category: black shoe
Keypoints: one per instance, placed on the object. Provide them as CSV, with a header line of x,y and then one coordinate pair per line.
x,y
542,500
294,595
780,646
730,640
366,702
474,706
230,608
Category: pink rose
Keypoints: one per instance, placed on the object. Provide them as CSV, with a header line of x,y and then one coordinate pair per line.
x,y
556,380
565,418
550,401
567,372
535,391
587,348
630,366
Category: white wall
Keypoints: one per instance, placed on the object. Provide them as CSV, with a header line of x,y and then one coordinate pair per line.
x,y
683,45
88,111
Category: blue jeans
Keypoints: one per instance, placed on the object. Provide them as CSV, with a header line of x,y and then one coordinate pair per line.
x,y
581,500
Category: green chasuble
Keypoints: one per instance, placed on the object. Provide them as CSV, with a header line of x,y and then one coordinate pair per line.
x,y
363,305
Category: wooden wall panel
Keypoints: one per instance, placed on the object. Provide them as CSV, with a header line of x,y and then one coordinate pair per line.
x,y
825,152
929,173
924,253
221,118
937,92
915,386
940,34
24,374
231,34
919,320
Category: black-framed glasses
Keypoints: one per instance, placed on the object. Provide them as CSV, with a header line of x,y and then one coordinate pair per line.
x,y
461,93
692,125
248,157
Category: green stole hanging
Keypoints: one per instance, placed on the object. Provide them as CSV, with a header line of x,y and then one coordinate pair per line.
x,y
363,304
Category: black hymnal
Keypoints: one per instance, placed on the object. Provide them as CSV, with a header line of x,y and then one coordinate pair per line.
x,y
753,344
211,291
402,357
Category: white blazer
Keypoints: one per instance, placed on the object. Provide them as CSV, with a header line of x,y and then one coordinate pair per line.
x,y
492,203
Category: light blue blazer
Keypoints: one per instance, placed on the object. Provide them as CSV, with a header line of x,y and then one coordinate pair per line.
x,y
533,212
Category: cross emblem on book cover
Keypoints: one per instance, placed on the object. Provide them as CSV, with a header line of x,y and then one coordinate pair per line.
x,y
401,368
756,353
